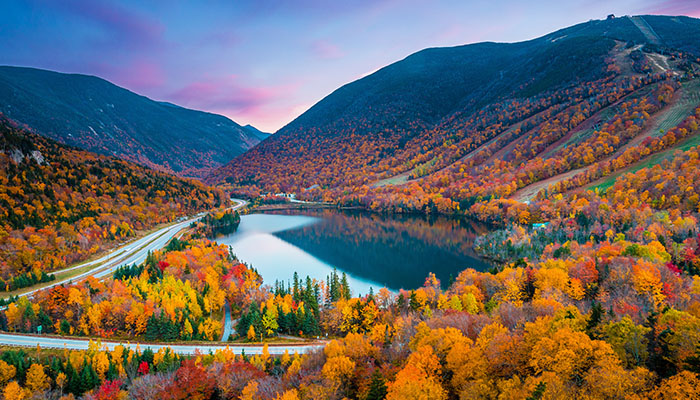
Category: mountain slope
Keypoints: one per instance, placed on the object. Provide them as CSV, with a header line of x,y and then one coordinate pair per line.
x,y
492,102
59,204
257,132
94,114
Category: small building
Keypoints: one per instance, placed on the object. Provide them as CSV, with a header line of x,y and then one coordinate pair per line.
x,y
540,225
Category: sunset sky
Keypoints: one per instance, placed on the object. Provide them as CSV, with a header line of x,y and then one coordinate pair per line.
x,y
264,62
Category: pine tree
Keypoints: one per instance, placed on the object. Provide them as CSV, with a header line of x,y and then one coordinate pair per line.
x,y
596,316
295,295
377,387
345,287
152,328
538,392
310,324
73,385
147,356
45,322
88,378
334,286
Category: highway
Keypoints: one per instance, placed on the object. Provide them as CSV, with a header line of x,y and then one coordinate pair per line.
x,y
136,252
130,253
55,342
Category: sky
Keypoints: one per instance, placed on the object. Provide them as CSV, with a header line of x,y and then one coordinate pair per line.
x,y
264,62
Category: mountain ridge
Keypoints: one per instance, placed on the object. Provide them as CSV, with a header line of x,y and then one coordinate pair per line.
x,y
407,115
94,114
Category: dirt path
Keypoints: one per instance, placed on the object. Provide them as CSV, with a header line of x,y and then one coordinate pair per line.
x,y
529,192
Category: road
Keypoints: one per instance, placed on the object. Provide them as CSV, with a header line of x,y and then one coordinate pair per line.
x,y
54,342
228,323
130,253
136,252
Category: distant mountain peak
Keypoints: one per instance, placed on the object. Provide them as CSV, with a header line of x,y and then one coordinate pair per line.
x,y
257,132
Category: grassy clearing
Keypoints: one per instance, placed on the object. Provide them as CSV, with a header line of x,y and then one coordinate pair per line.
x,y
394,180
685,106
648,162
689,100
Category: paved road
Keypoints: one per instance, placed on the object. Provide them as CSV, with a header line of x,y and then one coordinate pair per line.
x,y
130,253
54,342
228,323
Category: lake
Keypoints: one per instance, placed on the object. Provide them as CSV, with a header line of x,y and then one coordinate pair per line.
x,y
375,250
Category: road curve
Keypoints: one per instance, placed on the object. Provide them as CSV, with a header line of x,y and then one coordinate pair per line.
x,y
57,342
228,323
136,252
130,253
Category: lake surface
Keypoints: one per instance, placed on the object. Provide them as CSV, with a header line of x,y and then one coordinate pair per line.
x,y
375,250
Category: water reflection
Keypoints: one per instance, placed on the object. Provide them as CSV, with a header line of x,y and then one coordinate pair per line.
x,y
374,250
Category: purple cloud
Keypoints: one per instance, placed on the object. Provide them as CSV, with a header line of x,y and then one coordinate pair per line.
x,y
121,24
248,59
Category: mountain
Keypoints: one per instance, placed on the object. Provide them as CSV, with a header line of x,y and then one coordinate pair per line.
x,y
60,204
258,133
468,108
96,115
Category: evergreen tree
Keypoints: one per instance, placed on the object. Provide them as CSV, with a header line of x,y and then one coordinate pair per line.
x,y
596,316
112,372
152,328
65,327
345,287
73,384
45,322
401,302
377,387
147,356
310,324
334,284
88,378
295,294
538,392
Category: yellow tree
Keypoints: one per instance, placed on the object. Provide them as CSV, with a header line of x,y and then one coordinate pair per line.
x,y
685,385
417,380
14,392
37,380
7,372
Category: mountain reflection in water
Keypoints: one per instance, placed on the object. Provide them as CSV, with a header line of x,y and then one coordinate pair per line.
x,y
396,251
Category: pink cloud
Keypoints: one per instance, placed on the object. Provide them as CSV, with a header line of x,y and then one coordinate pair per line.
x,y
137,75
143,75
690,8
326,49
242,103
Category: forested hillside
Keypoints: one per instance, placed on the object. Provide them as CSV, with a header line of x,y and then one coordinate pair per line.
x,y
96,115
579,150
446,127
59,205
602,303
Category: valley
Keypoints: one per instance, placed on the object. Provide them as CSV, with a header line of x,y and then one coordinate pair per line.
x,y
493,220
